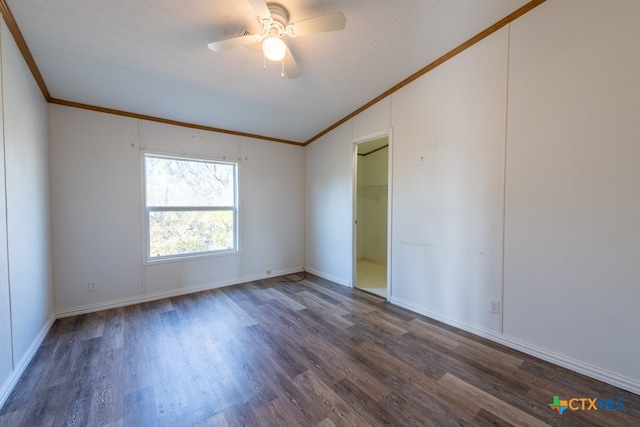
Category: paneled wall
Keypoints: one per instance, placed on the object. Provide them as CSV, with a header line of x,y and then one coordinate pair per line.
x,y
26,297
328,206
572,229
448,163
515,171
98,227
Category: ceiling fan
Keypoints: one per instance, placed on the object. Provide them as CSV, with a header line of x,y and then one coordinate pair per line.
x,y
274,19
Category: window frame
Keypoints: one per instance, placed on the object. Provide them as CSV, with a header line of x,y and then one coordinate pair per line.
x,y
214,208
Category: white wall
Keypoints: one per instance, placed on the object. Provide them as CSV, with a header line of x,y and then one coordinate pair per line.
x,y
95,192
374,120
572,230
97,209
544,191
448,186
329,199
26,298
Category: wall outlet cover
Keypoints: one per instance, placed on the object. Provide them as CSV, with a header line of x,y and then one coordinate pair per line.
x,y
494,306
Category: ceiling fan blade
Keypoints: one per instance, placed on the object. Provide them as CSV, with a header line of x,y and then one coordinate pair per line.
x,y
255,46
221,45
260,8
320,24
290,67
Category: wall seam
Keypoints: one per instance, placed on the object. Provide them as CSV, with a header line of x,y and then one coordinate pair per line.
x,y
6,208
143,217
504,178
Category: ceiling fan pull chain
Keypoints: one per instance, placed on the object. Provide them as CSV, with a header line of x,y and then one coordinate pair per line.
x,y
282,72
264,62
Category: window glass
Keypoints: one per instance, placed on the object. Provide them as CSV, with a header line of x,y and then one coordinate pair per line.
x,y
190,206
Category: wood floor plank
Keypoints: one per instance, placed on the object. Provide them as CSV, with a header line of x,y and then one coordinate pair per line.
x,y
272,294
485,418
242,317
322,395
290,358
489,402
432,334
218,420
326,423
242,414
383,321
360,301
489,376
275,352
424,357
370,409
107,404
114,329
324,327
278,413
321,305
400,374
140,407
332,363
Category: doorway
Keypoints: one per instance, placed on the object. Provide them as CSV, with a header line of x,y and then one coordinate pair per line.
x,y
371,189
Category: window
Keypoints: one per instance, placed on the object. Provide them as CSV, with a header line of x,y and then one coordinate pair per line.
x,y
191,206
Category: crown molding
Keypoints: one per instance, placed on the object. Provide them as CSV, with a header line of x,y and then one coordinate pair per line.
x,y
168,121
24,49
26,53
444,58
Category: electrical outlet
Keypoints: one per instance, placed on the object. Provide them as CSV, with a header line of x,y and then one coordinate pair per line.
x,y
93,285
494,306
268,271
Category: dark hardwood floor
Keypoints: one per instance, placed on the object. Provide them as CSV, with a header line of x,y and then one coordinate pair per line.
x,y
276,354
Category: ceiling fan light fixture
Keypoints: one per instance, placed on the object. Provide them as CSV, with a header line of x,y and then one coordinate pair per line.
x,y
274,19
274,48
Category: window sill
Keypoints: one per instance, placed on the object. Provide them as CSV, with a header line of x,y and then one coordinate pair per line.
x,y
186,258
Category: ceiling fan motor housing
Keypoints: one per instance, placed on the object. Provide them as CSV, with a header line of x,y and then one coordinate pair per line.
x,y
279,19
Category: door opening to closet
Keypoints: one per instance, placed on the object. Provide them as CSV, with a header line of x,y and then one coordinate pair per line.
x,y
371,188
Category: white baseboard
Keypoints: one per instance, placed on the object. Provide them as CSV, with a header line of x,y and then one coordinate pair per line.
x,y
333,279
123,302
581,367
19,369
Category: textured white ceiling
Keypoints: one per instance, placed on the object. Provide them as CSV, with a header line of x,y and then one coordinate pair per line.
x,y
150,57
